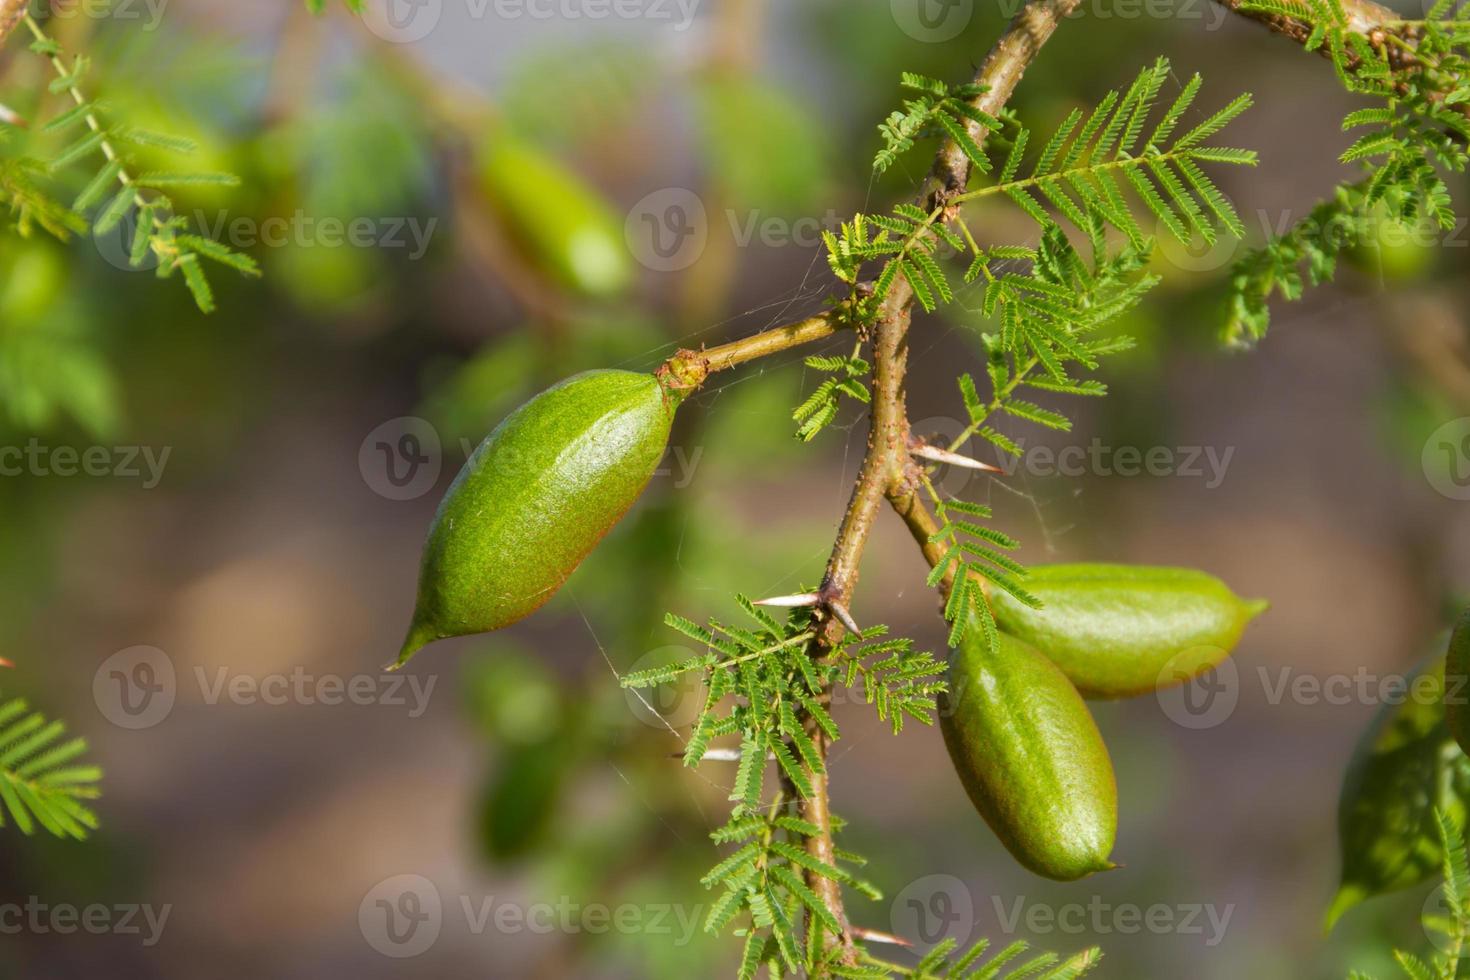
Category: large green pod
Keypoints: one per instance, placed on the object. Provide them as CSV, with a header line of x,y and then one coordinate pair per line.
x,y
535,498
1405,767
1121,630
1030,756
562,223
1457,682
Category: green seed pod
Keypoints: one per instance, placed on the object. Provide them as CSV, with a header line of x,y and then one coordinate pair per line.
x,y
1030,756
1121,630
563,223
1405,767
535,498
1457,682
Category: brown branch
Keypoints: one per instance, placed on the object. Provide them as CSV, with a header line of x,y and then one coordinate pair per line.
x,y
1364,17
887,469
11,12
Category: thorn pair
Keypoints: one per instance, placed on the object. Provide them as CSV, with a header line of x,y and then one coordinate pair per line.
x,y
802,599
923,450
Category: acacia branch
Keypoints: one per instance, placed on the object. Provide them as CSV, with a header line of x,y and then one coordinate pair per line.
x,y
1364,17
690,368
886,464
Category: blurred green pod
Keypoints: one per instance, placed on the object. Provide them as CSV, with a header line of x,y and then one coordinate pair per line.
x,y
1404,767
1030,756
1123,630
535,498
561,222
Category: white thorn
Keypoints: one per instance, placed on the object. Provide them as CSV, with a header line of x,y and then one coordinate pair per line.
x,y
791,601
953,459
874,936
11,117
843,616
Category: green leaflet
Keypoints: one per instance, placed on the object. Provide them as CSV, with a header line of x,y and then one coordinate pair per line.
x,y
1124,630
534,500
1030,756
1405,766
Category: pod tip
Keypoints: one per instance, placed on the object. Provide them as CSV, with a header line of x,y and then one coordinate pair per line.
x,y
419,636
1254,607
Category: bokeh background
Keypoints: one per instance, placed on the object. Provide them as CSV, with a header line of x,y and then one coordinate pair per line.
x,y
311,424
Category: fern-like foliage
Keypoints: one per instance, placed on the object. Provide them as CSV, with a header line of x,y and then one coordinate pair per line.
x,y
22,190
41,782
764,688
975,554
935,109
1452,928
112,192
1415,71
822,406
1009,963
1101,173
1087,162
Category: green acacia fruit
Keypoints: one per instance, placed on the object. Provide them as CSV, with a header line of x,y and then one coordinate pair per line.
x,y
535,498
563,223
1030,756
1122,630
1457,682
1405,767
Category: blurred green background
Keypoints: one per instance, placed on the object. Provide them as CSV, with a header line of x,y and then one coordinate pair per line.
x,y
395,172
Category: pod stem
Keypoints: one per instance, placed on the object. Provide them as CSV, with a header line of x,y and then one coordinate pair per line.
x,y
688,369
